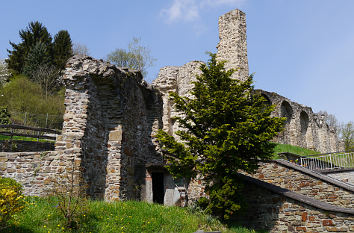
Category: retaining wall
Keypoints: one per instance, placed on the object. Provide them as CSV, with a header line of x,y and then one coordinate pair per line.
x,y
279,210
304,181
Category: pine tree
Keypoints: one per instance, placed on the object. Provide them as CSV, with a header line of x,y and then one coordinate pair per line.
x,y
62,49
38,56
227,127
35,32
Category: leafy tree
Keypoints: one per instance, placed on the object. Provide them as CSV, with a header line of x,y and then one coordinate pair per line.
x,y
227,127
34,33
347,132
62,48
4,73
80,49
48,77
137,57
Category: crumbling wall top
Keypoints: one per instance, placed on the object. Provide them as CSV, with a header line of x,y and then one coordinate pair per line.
x,y
79,67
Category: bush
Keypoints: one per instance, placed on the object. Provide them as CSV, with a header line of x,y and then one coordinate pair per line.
x,y
21,95
4,116
11,200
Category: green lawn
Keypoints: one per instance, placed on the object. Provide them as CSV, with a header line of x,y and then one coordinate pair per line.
x,y
42,216
292,149
20,138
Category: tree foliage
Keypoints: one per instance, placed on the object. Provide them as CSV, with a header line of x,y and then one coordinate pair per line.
x,y
136,57
62,48
347,133
22,95
227,127
80,49
34,33
4,73
37,51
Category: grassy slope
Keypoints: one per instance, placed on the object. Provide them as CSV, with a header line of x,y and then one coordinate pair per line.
x,y
42,216
292,149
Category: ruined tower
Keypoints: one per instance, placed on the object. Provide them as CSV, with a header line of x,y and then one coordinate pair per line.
x,y
232,46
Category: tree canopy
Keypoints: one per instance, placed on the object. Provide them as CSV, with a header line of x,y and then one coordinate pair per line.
x,y
227,126
136,57
347,135
37,47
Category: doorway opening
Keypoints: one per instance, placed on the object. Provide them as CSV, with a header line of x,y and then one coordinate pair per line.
x,y
158,191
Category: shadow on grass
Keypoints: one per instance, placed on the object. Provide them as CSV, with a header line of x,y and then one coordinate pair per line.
x,y
242,228
16,229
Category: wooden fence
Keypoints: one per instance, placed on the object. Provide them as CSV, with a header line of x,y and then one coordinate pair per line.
x,y
26,131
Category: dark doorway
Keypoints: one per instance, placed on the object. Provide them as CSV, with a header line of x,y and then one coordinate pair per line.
x,y
157,187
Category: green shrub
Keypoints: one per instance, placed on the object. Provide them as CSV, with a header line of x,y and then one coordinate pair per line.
x,y
21,96
11,200
4,116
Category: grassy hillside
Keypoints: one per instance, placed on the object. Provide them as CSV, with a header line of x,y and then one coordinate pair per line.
x,y
42,216
292,149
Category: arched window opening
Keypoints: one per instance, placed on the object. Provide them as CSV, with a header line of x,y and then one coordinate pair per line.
x,y
304,122
286,111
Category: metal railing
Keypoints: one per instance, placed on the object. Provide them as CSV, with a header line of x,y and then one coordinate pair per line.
x,y
330,161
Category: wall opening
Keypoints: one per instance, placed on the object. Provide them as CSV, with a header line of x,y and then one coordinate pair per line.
x,y
158,190
286,111
304,122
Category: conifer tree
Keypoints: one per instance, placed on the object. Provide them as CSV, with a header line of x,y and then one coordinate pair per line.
x,y
62,48
227,127
35,32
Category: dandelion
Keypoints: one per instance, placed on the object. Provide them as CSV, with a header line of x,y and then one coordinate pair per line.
x,y
44,226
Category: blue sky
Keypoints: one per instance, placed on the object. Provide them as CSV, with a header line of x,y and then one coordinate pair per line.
x,y
301,49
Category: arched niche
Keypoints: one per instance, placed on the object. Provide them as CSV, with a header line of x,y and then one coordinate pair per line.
x,y
286,111
304,122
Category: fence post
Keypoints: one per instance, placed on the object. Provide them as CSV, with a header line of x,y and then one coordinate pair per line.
x,y
25,119
46,121
330,160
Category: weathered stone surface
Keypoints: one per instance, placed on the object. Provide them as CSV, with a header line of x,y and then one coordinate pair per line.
x,y
232,46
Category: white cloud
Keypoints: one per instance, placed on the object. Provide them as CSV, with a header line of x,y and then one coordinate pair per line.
x,y
188,10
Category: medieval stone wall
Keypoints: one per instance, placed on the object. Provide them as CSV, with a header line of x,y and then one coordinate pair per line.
x,y
269,209
303,127
179,80
232,46
304,181
109,121
33,170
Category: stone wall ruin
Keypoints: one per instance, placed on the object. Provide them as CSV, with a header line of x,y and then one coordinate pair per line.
x,y
302,127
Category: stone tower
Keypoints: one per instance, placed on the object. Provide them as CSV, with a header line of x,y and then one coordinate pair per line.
x,y
232,46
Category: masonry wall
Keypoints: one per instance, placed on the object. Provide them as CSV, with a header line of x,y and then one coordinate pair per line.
x,y
110,117
232,46
303,127
33,170
277,213
310,184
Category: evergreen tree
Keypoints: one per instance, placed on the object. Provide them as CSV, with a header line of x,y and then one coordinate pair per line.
x,y
38,56
227,127
35,32
62,49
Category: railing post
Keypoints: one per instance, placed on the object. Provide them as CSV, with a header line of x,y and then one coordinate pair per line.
x,y
330,159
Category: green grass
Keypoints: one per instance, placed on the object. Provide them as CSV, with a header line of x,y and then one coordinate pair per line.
x,y
292,149
20,138
42,216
